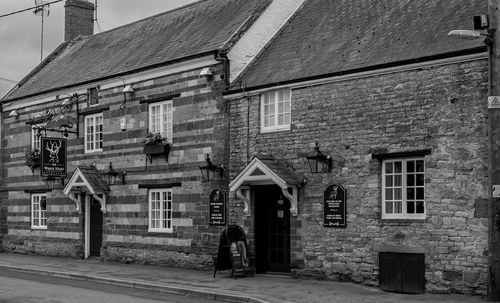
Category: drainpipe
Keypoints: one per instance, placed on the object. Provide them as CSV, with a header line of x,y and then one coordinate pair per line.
x,y
494,155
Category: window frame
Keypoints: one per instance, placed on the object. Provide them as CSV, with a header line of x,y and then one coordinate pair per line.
x,y
41,214
404,189
168,133
161,210
275,105
94,142
92,95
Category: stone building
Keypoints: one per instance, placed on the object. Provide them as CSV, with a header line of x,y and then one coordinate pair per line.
x,y
77,177
400,111
396,106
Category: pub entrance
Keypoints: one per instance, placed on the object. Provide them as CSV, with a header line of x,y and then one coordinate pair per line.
x,y
272,230
95,228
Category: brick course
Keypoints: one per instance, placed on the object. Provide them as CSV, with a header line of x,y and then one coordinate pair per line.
x,y
199,127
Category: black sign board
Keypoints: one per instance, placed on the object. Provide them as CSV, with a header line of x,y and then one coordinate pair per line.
x,y
53,157
334,206
217,208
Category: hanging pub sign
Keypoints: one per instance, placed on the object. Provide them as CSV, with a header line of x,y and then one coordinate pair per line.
x,y
334,206
53,157
217,207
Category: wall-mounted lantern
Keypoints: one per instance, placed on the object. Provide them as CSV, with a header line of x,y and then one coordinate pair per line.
x,y
209,171
50,182
319,162
111,175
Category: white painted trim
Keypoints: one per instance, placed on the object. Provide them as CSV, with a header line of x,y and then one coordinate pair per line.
x,y
360,75
170,116
243,193
94,118
292,198
269,177
76,200
258,35
160,229
102,201
158,72
87,226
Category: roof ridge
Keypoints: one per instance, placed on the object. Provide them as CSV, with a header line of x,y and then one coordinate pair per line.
x,y
149,17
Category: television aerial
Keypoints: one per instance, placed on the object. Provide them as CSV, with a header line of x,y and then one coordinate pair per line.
x,y
42,9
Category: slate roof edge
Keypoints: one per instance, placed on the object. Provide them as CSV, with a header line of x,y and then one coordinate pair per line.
x,y
42,64
270,42
5,99
470,51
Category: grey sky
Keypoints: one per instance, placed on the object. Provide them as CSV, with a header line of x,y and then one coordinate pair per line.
x,y
20,33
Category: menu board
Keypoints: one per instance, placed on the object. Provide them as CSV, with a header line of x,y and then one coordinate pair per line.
x,y
334,208
217,207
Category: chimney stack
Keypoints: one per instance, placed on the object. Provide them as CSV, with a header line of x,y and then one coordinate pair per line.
x,y
79,19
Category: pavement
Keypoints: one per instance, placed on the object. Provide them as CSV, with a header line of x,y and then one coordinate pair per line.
x,y
224,288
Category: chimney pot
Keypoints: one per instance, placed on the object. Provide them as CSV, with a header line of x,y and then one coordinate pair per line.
x,y
79,19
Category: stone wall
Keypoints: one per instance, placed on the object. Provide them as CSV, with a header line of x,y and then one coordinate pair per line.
x,y
441,108
200,126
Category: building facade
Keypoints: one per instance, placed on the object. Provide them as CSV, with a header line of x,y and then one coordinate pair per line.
x,y
404,203
262,87
130,105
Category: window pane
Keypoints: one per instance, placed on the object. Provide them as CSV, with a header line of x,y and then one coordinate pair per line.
x,y
420,180
410,166
410,180
388,167
398,207
397,167
280,95
420,193
410,207
410,194
389,208
388,194
388,181
420,166
420,207
398,194
398,180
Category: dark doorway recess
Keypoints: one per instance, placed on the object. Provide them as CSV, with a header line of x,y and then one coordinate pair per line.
x,y
272,230
95,228
402,272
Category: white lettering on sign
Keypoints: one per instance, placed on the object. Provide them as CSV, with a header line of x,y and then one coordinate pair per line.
x,y
494,102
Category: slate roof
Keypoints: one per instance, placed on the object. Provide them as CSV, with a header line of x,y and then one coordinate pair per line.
x,y
202,27
94,178
330,37
283,170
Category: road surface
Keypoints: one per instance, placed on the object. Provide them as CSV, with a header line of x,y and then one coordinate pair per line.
x,y
28,288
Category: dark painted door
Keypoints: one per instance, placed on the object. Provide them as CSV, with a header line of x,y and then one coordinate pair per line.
x,y
95,228
272,227
402,272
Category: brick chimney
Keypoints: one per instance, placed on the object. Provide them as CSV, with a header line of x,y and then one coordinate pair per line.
x,y
79,19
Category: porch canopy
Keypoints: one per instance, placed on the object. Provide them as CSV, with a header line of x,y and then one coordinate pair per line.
x,y
88,180
266,170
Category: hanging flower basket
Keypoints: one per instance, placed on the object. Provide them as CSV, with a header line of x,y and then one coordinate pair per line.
x,y
32,158
156,144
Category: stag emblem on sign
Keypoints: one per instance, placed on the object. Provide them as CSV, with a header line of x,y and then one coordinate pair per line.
x,y
53,150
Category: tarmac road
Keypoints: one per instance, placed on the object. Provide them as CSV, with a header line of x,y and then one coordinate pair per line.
x,y
16,287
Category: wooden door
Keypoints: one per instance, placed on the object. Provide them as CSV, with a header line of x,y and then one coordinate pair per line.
x,y
402,272
95,228
272,214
